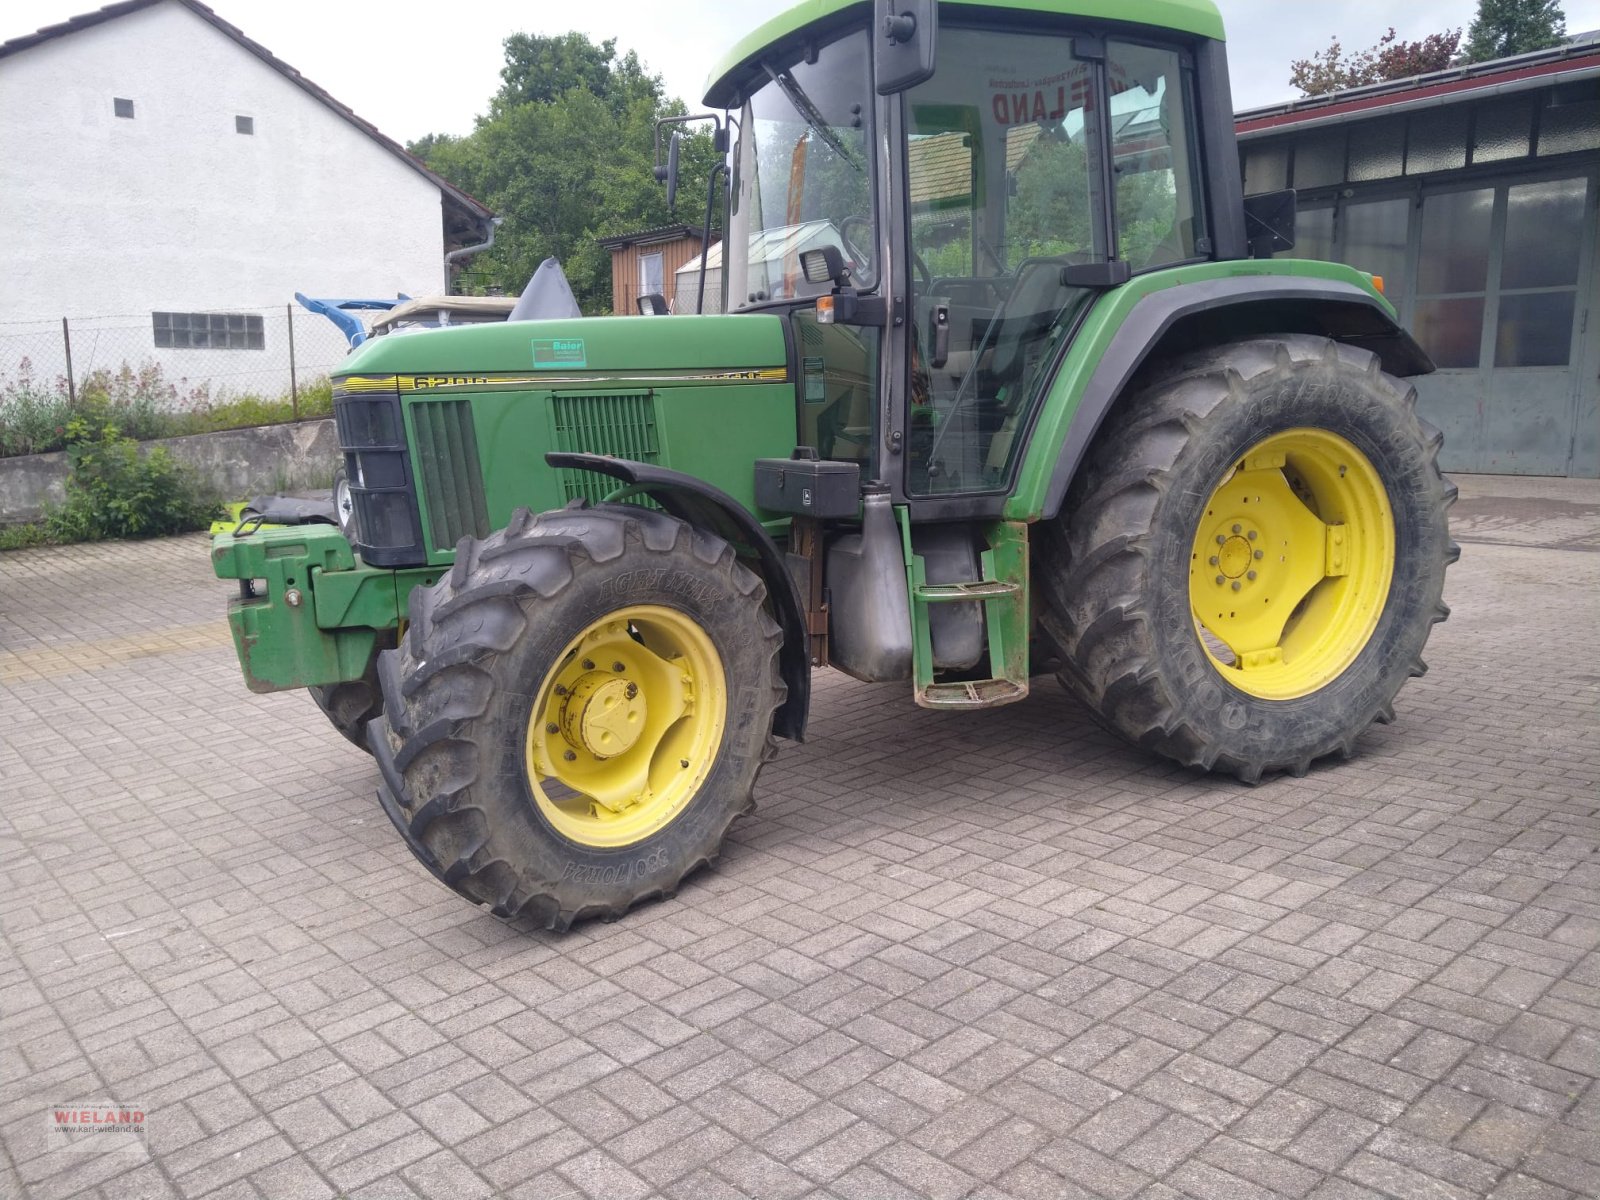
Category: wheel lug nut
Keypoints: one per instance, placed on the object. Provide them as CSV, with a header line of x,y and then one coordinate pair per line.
x,y
1252,576
631,691
1214,560
588,664
1260,554
552,727
569,756
1237,585
1238,528
684,763
618,668
1221,541
561,690
1252,535
1221,581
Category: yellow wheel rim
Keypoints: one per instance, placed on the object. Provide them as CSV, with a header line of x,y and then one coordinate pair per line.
x,y
626,725
1292,563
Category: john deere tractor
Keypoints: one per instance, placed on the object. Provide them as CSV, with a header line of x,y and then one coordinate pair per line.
x,y
1006,376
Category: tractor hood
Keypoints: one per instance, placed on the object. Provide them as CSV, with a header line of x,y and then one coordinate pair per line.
x,y
679,347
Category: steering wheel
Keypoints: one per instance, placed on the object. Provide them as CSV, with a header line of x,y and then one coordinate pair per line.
x,y
852,245
924,276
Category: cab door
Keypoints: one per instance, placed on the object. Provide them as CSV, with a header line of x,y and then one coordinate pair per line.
x,y
1028,152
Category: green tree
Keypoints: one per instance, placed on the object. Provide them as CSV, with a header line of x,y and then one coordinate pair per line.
x,y
566,155
1504,27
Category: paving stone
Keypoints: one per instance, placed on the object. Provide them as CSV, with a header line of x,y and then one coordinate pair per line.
x,y
1000,956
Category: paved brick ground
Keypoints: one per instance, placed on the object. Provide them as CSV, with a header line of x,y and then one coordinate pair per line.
x,y
988,956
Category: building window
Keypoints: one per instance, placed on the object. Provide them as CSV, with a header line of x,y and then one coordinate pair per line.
x,y
244,124
208,331
651,279
123,108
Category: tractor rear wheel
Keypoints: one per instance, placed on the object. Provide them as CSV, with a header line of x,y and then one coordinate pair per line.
x,y
578,711
1246,570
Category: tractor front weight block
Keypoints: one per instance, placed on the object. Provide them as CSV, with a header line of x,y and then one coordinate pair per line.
x,y
308,612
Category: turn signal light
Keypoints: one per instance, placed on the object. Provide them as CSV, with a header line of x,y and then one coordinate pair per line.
x,y
1377,282
825,312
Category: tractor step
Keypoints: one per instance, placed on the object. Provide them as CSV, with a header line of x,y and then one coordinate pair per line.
x,y
1003,593
982,589
975,693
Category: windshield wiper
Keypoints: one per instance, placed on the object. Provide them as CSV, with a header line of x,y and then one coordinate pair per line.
x,y
813,116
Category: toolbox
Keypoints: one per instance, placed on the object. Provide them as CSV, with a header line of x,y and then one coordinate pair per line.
x,y
806,486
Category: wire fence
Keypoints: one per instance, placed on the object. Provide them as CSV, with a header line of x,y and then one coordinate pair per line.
x,y
681,293
268,352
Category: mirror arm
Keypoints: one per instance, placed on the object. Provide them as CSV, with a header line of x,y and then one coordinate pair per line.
x,y
705,238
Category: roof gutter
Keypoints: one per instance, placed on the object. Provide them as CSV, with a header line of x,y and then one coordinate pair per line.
x,y
1262,126
464,252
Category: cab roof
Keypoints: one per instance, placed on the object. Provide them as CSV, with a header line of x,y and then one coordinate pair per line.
x,y
1197,17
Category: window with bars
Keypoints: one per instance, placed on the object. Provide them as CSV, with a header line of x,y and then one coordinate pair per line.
x,y
208,331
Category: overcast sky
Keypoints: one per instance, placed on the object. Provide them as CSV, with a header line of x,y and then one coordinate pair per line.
x,y
417,66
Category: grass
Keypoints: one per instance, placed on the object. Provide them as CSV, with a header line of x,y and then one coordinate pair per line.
x,y
20,537
35,414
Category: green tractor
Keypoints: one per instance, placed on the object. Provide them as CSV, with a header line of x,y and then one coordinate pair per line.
x,y
1005,379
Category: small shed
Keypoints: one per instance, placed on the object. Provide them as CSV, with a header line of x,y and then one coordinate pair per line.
x,y
650,260
772,253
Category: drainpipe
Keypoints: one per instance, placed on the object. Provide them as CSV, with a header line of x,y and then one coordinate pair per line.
x,y
456,256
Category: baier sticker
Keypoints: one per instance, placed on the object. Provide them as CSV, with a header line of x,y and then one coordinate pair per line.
x,y
559,352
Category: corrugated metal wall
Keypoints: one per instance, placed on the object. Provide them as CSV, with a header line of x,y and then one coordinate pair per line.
x,y
625,289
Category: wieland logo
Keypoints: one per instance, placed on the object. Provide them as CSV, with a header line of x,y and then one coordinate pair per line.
x,y
104,1127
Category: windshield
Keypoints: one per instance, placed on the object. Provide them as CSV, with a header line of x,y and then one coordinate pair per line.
x,y
802,175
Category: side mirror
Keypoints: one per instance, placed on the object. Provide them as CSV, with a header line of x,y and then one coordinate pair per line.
x,y
1269,222
1097,276
903,43
672,171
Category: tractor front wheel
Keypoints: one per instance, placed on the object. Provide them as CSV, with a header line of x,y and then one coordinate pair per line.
x,y
350,706
578,711
1245,573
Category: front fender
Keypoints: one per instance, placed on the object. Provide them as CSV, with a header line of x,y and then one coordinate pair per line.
x,y
709,508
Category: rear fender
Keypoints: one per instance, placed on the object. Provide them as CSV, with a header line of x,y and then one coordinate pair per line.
x,y
1190,316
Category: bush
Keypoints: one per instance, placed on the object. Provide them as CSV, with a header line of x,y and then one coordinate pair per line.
x,y
33,414
142,404
114,491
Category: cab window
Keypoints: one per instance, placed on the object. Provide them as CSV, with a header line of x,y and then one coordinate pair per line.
x,y
1153,156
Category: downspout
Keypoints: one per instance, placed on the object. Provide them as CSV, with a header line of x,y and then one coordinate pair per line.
x,y
457,255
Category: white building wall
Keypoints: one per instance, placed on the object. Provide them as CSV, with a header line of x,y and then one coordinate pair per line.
x,y
176,211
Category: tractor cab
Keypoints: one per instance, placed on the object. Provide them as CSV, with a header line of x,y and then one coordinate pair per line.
x,y
977,207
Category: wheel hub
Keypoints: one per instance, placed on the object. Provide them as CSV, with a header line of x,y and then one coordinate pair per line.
x,y
1291,563
603,714
625,726
1236,556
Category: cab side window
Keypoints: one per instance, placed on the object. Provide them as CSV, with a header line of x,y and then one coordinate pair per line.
x,y
1159,219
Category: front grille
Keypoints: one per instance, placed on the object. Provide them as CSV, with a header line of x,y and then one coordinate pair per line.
x,y
451,476
378,466
622,425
